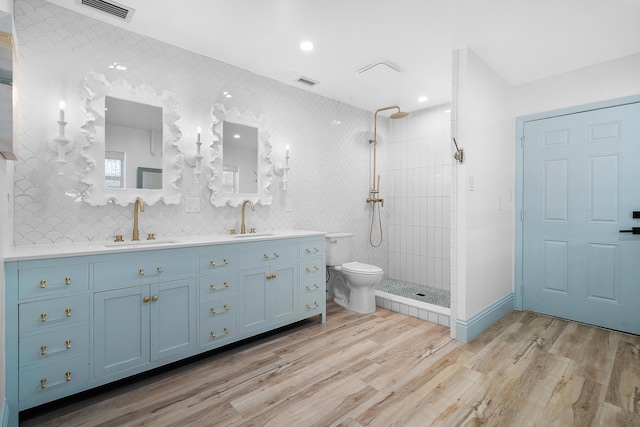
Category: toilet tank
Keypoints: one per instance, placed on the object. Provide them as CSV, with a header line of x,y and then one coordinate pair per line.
x,y
339,248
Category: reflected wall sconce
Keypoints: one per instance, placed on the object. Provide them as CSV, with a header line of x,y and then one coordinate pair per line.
x,y
61,144
196,160
283,171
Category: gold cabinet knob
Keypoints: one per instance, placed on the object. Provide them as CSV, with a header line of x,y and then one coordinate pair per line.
x,y
159,269
154,298
43,317
43,383
67,312
273,276
213,263
146,299
141,271
226,285
68,375
43,284
213,287
213,310
43,350
226,307
67,280
68,343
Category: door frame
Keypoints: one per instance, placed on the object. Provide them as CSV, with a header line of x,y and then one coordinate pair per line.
x,y
519,190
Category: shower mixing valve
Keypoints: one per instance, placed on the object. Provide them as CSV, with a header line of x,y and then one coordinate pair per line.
x,y
376,200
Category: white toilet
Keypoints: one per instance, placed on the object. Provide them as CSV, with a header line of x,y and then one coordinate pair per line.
x,y
354,287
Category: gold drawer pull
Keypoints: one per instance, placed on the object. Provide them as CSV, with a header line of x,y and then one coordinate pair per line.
x,y
226,285
67,312
226,307
226,261
68,375
213,287
308,270
43,383
276,254
68,342
314,303
141,271
213,263
154,298
314,250
146,299
67,280
314,287
43,317
159,269
308,288
308,250
43,350
226,331
43,284
266,256
271,276
213,310
213,334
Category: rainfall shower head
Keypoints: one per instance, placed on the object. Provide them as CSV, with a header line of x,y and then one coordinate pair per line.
x,y
399,115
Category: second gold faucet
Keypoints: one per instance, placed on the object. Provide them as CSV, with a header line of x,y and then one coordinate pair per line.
x,y
253,208
138,205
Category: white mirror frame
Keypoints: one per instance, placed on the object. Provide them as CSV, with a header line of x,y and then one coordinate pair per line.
x,y
219,114
97,194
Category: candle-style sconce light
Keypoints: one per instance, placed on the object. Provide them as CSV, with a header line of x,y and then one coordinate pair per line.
x,y
196,160
283,171
61,144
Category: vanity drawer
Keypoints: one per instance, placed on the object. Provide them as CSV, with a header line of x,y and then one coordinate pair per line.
x,y
311,266
268,253
56,344
41,315
215,332
218,308
56,280
65,373
309,248
312,303
310,285
216,285
114,274
218,260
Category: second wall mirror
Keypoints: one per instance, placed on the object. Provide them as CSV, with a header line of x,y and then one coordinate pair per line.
x,y
241,163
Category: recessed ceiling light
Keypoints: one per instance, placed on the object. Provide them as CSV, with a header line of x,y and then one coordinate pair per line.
x,y
306,46
423,98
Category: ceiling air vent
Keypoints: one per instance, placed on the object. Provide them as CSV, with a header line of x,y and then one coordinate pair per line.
x,y
306,81
110,8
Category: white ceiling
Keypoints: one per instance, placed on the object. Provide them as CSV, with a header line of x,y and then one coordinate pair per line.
x,y
522,40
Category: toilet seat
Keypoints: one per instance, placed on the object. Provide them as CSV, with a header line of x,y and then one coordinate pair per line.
x,y
361,268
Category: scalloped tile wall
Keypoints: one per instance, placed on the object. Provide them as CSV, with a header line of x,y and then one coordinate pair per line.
x,y
330,168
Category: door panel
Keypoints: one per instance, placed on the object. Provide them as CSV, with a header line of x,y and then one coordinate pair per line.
x,y
581,184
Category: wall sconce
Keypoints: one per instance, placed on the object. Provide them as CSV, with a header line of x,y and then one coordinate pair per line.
x,y
194,161
283,171
61,144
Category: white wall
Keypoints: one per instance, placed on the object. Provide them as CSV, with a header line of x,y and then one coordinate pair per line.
x,y
485,184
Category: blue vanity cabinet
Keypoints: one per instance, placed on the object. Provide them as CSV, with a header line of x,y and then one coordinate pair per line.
x,y
312,278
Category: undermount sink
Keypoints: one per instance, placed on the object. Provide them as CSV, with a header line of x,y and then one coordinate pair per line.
x,y
245,236
140,243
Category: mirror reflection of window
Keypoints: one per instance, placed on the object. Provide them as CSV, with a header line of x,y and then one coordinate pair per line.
x,y
230,179
135,129
114,166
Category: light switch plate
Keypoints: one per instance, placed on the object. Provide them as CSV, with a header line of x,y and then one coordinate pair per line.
x,y
192,205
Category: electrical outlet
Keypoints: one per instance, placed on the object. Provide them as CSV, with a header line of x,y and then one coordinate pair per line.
x,y
192,205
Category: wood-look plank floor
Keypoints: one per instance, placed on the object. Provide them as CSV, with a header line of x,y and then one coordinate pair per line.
x,y
386,369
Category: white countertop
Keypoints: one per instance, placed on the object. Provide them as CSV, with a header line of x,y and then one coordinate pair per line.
x,y
60,250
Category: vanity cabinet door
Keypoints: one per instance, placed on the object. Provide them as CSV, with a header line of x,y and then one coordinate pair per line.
x,y
121,334
283,290
173,318
253,298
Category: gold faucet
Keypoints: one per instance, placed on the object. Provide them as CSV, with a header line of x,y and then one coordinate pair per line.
x,y
138,205
253,208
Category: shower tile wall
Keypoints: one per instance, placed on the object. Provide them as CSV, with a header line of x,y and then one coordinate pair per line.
x,y
419,197
329,177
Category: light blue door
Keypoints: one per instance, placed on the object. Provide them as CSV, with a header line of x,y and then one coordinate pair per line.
x,y
581,186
